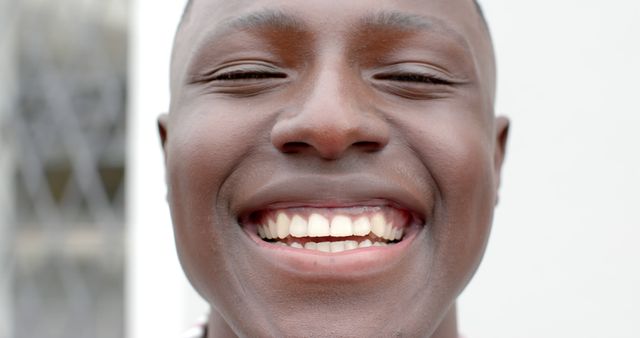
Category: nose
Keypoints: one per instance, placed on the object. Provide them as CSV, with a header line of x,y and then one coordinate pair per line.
x,y
331,120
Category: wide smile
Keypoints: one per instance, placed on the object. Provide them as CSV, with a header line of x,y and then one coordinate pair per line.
x,y
331,230
334,242
337,227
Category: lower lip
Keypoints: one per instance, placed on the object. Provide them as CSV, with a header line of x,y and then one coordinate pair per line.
x,y
356,263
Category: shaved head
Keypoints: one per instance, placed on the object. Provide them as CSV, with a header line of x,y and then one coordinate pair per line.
x,y
187,8
294,122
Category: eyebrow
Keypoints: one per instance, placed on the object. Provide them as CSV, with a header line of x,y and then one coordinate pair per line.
x,y
289,22
265,18
398,20
281,20
413,22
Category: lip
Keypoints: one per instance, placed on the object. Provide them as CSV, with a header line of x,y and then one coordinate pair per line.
x,y
322,192
333,192
353,264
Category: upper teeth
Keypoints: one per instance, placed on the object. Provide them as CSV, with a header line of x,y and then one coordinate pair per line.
x,y
317,225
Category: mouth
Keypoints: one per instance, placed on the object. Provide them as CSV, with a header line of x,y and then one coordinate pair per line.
x,y
332,240
344,227
330,229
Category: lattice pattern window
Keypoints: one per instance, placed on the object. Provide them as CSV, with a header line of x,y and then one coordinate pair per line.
x,y
66,132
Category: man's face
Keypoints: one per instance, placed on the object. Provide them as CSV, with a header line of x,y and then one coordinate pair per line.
x,y
332,165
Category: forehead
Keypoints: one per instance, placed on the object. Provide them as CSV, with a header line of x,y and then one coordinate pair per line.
x,y
457,20
246,4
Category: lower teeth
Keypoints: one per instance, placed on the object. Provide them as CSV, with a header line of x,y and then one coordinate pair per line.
x,y
337,246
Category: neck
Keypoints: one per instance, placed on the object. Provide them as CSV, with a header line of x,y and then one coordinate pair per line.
x,y
448,328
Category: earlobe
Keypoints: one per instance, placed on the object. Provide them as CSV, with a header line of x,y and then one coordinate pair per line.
x,y
163,125
163,121
501,139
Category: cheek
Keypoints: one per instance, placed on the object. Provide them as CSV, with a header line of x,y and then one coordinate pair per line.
x,y
202,151
468,196
199,156
458,155
464,173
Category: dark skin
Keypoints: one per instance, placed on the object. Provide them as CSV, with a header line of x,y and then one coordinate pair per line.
x,y
327,105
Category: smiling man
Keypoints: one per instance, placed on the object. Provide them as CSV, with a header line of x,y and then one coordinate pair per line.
x,y
333,166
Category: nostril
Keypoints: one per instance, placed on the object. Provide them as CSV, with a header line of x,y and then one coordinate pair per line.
x,y
294,147
368,146
328,136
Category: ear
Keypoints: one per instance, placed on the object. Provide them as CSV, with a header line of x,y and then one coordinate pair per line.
x,y
163,125
163,122
500,150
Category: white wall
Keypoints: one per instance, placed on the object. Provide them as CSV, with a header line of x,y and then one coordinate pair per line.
x,y
563,260
160,303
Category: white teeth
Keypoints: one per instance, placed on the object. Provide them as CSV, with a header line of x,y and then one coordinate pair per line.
x,y
389,232
350,245
318,226
341,226
361,226
378,224
272,229
365,244
398,234
283,222
324,247
298,227
261,232
337,246
333,247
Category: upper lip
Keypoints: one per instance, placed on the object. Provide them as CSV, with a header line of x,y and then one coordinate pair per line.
x,y
316,191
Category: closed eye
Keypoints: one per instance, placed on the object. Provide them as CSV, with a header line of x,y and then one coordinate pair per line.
x,y
245,79
240,75
415,78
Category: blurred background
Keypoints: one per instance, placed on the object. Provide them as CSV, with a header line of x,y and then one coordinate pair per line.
x,y
63,100
86,245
